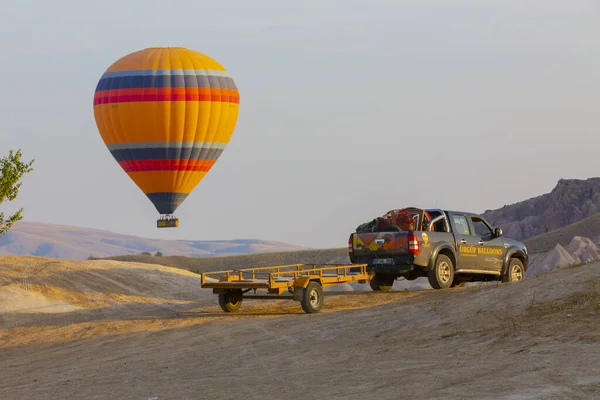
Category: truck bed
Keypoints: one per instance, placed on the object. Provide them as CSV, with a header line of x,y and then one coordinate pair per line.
x,y
380,244
396,248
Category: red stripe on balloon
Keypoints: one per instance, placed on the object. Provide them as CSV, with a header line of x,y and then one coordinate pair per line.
x,y
166,94
167,165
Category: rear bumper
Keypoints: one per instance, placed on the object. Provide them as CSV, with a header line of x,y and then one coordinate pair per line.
x,y
398,269
401,264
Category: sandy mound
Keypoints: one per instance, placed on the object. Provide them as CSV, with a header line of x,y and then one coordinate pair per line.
x,y
579,250
16,299
558,257
46,286
583,249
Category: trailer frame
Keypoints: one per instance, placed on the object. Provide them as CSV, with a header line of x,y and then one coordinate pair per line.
x,y
304,282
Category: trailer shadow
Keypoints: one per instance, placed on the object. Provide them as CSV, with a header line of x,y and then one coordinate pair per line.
x,y
204,309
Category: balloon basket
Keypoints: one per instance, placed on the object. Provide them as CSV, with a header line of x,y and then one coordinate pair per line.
x,y
169,222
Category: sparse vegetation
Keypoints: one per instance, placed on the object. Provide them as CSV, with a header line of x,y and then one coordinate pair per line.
x,y
585,301
13,170
158,254
509,327
452,334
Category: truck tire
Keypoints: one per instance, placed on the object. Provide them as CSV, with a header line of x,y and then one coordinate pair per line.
x,y
381,284
457,283
441,275
312,298
515,271
229,303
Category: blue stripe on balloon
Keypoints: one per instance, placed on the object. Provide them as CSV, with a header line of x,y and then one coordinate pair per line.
x,y
165,81
166,202
167,153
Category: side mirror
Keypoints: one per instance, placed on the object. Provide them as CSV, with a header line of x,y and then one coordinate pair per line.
x,y
498,232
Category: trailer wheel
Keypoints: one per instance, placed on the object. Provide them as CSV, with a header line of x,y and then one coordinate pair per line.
x,y
229,303
312,298
441,275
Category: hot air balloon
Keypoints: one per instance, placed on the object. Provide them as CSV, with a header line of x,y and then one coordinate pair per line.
x,y
166,114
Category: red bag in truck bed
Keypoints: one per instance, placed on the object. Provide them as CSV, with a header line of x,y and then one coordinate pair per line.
x,y
404,219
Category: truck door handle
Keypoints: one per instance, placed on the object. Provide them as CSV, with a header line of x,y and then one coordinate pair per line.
x,y
481,242
463,241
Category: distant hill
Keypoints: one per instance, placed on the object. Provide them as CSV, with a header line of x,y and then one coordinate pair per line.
x,y
69,242
329,256
572,200
588,227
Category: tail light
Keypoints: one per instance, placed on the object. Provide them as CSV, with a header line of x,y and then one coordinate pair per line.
x,y
413,244
350,247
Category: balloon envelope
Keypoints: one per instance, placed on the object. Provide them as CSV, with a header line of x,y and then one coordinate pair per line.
x,y
166,114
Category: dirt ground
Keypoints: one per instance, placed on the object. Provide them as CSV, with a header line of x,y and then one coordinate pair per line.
x,y
116,330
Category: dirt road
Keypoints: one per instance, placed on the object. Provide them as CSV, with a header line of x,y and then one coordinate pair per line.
x,y
110,330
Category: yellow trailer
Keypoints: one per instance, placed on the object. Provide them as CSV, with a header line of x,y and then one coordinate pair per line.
x,y
304,282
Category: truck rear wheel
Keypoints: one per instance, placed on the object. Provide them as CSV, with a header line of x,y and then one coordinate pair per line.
x,y
229,303
381,283
457,283
312,298
441,275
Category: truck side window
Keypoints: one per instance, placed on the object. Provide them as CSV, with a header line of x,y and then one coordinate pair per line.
x,y
461,225
440,226
481,229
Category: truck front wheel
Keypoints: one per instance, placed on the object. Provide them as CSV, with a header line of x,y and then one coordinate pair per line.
x,y
441,275
515,271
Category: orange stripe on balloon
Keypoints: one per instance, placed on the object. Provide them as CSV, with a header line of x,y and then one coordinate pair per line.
x,y
160,121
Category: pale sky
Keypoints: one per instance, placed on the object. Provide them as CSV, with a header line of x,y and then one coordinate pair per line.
x,y
348,109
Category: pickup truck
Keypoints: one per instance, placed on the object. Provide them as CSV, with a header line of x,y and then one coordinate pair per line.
x,y
448,247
